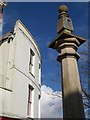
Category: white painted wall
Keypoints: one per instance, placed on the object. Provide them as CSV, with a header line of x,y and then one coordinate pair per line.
x,y
15,90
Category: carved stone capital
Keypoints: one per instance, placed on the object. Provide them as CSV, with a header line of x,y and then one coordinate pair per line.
x,y
68,55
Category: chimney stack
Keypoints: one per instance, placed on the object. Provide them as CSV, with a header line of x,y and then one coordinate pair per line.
x,y
2,5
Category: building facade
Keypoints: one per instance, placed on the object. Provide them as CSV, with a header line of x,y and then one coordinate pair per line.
x,y
20,74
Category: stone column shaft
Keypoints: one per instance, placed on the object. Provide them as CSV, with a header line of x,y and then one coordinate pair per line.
x,y
72,94
72,105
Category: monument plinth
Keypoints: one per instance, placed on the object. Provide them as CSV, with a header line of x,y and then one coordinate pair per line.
x,y
67,44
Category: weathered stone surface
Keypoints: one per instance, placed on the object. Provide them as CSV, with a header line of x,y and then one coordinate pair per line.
x,y
71,88
72,95
67,44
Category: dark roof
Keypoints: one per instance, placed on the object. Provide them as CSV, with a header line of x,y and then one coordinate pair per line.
x,y
5,36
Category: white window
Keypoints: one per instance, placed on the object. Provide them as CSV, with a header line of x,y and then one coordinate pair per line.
x,y
31,62
30,100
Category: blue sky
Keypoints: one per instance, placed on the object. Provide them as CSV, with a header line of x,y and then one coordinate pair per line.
x,y
41,20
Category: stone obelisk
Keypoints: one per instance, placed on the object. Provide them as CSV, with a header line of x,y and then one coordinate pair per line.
x,y
67,44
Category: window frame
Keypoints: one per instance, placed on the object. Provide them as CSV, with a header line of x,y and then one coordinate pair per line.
x,y
30,100
31,62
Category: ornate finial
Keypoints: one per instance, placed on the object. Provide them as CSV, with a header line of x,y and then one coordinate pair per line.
x,y
64,21
63,8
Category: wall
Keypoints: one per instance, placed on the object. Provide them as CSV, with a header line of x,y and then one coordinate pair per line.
x,y
15,100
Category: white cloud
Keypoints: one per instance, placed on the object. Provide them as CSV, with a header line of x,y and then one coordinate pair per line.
x,y
51,103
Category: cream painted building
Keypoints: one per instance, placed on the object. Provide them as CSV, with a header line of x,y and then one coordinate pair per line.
x,y
20,74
